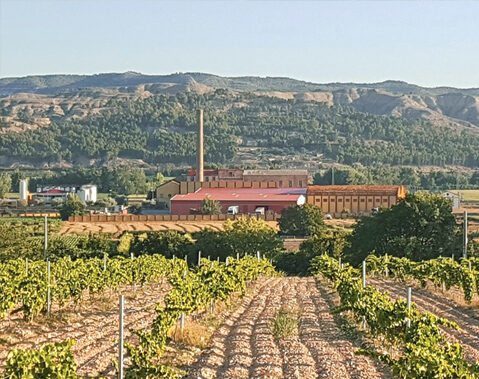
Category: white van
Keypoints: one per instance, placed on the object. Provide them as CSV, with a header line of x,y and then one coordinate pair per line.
x,y
260,210
233,210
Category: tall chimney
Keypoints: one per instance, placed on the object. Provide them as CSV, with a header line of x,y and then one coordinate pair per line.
x,y
199,168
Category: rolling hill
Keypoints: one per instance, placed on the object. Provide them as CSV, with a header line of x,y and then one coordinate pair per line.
x,y
65,109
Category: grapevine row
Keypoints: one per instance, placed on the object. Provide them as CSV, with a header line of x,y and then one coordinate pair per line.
x,y
192,290
25,284
440,271
423,350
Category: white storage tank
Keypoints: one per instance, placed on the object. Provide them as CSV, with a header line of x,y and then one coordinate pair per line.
x,y
88,193
23,189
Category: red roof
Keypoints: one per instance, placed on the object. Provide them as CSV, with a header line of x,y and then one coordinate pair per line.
x,y
243,194
54,190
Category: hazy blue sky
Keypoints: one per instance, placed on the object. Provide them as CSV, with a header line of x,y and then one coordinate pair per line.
x,y
429,43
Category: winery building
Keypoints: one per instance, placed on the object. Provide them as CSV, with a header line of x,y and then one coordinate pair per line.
x,y
353,199
283,178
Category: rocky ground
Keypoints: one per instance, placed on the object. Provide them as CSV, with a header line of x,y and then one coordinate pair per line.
x,y
245,347
93,324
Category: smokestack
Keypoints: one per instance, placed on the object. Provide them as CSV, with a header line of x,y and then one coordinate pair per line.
x,y
199,168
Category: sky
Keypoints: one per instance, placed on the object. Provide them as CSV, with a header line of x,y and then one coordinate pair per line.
x,y
430,43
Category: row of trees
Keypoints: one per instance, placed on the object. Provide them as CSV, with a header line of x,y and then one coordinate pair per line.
x,y
408,176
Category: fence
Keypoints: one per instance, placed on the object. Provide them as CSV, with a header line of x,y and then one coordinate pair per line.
x,y
143,218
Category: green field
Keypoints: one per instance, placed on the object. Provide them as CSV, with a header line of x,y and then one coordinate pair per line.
x,y
467,195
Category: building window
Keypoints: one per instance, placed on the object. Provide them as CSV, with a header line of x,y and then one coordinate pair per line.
x,y
290,183
362,200
325,200
281,183
347,200
300,183
370,200
355,200
340,200
333,200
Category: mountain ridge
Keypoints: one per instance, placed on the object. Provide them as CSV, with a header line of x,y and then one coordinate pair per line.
x,y
49,84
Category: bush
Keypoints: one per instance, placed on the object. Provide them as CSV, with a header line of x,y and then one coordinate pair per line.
x,y
210,207
50,361
81,246
212,243
301,220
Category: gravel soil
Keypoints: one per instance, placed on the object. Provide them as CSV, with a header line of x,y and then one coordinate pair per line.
x,y
465,317
93,324
245,347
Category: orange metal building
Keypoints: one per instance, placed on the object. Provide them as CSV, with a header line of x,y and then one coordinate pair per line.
x,y
354,199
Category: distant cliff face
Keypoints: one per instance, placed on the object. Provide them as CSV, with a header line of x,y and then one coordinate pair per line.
x,y
32,102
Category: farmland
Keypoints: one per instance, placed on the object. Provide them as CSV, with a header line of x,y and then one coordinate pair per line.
x,y
232,302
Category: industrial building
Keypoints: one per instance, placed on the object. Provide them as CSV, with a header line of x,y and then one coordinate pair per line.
x,y
354,199
247,191
283,178
47,194
221,174
245,200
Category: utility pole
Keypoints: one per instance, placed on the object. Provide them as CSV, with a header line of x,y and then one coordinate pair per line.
x,y
464,252
45,247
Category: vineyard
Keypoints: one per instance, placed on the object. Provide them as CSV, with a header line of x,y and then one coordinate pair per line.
x,y
392,338
184,313
32,288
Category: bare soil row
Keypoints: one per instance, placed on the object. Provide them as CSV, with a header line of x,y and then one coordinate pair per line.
x,y
245,347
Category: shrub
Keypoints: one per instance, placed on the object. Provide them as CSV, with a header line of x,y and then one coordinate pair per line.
x,y
331,242
419,227
210,207
50,361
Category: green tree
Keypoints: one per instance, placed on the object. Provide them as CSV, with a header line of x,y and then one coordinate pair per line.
x,y
330,242
71,207
212,243
301,220
5,184
250,235
419,227
167,243
210,207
